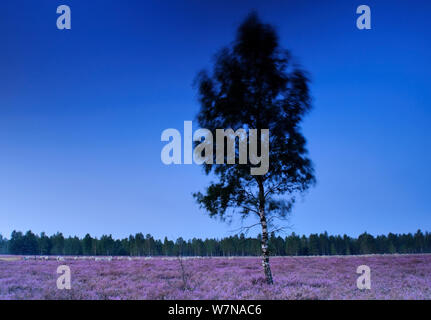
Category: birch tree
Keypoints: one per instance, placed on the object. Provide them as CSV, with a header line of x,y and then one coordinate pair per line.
x,y
254,84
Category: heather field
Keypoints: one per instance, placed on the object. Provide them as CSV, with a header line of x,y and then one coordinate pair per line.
x,y
392,277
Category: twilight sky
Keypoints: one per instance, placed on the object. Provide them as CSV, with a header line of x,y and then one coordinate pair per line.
x,y
82,111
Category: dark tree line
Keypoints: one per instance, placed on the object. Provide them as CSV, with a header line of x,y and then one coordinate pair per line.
x,y
140,245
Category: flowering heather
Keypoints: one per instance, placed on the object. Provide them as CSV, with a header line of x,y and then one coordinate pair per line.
x,y
392,277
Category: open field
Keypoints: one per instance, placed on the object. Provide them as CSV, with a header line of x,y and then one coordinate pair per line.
x,y
392,277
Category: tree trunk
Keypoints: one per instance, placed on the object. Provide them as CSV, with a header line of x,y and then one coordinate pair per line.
x,y
265,253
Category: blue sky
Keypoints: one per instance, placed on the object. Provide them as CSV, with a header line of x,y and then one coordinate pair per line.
x,y
82,111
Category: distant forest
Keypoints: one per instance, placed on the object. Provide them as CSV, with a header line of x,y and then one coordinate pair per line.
x,y
140,245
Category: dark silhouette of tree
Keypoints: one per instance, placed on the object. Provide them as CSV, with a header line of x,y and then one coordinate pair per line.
x,y
255,85
30,243
57,241
3,245
45,244
72,246
16,242
419,241
87,244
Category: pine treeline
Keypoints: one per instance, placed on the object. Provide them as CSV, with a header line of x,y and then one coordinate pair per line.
x,y
140,245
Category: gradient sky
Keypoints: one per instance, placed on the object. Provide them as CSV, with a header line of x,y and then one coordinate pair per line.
x,y
82,111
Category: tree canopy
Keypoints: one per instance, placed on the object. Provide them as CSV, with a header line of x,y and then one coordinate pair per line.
x,y
256,85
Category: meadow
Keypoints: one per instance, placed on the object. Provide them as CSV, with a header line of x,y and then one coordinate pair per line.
x,y
328,277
